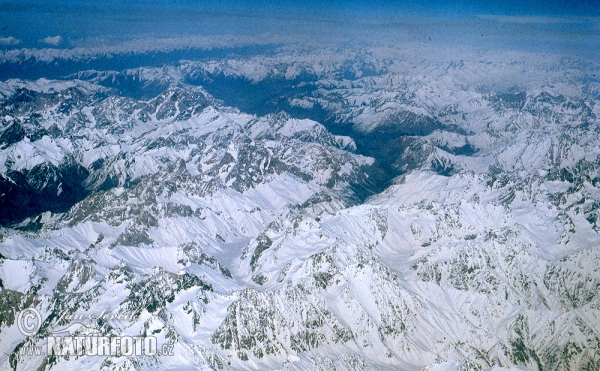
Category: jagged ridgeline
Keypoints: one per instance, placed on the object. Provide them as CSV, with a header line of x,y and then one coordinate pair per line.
x,y
68,141
363,209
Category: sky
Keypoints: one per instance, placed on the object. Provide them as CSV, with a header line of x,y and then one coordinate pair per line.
x,y
566,26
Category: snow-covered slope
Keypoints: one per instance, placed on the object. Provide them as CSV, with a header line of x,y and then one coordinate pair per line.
x,y
253,241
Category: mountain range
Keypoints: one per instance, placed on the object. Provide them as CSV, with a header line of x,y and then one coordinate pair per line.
x,y
367,210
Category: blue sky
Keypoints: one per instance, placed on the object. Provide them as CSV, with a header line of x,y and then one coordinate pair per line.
x,y
86,23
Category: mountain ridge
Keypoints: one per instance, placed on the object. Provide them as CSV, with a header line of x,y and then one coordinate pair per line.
x,y
268,242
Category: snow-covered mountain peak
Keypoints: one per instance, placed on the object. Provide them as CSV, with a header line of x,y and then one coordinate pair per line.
x,y
363,210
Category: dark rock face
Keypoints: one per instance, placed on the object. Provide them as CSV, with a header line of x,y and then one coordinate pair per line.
x,y
45,187
12,133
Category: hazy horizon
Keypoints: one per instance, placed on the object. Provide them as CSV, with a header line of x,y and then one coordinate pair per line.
x,y
86,28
